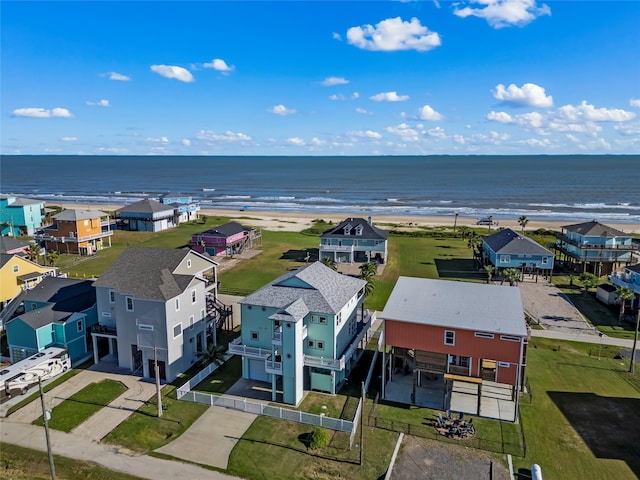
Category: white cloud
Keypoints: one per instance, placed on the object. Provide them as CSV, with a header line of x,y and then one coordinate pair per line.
x,y
529,95
69,139
282,110
437,132
393,34
336,36
531,119
227,137
389,97
336,97
297,141
355,95
331,81
587,112
428,113
116,76
634,102
101,103
628,128
536,142
504,13
318,142
163,140
35,112
186,142
363,111
365,134
172,71
407,133
219,65
502,117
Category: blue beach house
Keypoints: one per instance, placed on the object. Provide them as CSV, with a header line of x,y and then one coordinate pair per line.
x,y
354,240
148,215
303,331
185,208
508,249
630,278
20,216
58,312
594,247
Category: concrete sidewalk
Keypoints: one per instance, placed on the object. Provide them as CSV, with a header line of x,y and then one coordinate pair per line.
x,y
107,456
579,337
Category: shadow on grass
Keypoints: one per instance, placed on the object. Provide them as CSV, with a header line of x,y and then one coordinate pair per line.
x,y
306,451
301,255
608,425
463,268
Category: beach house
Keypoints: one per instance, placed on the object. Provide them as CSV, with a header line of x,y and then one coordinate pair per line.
x,y
594,247
77,231
19,274
20,216
228,239
438,334
354,240
629,278
59,312
303,331
509,249
184,206
156,303
148,215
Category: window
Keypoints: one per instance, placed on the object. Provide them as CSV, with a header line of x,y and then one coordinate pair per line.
x,y
483,335
129,304
255,336
505,258
193,296
79,325
323,320
177,304
509,338
177,330
359,230
112,296
545,260
191,322
504,364
189,263
106,314
320,345
202,314
311,343
449,337
148,328
15,269
86,223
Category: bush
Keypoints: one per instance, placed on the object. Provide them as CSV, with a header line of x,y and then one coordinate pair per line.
x,y
319,438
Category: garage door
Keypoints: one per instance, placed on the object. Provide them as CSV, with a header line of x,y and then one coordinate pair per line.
x,y
257,372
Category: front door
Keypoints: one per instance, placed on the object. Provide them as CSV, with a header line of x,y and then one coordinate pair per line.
x,y
161,369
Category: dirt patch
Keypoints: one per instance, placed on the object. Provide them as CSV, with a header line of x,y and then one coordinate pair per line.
x,y
429,459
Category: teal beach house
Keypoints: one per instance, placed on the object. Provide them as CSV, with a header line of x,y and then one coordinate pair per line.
x,y
20,216
58,312
509,249
303,331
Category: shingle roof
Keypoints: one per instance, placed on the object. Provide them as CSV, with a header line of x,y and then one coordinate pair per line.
x,y
511,243
78,214
464,305
7,244
634,268
21,201
67,294
226,230
146,205
322,290
594,228
368,230
146,273
44,316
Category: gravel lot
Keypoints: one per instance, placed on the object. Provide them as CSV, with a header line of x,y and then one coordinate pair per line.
x,y
420,458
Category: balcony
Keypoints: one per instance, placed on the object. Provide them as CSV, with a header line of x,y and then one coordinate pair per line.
x,y
336,248
276,337
624,280
248,351
102,329
330,363
273,366
87,238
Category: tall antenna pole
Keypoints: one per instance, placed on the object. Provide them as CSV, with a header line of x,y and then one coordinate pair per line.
x,y
45,415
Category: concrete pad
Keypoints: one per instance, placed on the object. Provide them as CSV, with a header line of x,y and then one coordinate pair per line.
x,y
211,438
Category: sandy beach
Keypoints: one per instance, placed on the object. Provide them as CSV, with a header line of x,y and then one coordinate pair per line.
x,y
297,221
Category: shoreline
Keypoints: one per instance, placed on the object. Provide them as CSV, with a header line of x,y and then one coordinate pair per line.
x,y
297,221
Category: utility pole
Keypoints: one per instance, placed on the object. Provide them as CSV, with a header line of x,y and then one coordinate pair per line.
x,y
362,424
635,343
45,414
455,222
157,372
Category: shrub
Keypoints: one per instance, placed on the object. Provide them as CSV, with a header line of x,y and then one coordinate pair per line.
x,y
319,438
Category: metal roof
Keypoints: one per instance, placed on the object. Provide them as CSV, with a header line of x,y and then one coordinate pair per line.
x,y
321,288
509,242
462,305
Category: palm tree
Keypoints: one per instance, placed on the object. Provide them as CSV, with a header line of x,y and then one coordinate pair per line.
x,y
368,271
489,269
328,262
512,275
33,251
464,231
523,220
622,295
588,280
52,257
213,354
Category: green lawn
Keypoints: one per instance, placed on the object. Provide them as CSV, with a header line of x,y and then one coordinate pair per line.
x,y
583,420
20,463
143,431
80,406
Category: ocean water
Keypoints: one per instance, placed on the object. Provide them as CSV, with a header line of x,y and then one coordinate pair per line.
x,y
569,187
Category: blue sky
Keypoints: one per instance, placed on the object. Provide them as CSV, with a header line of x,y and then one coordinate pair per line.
x,y
320,78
